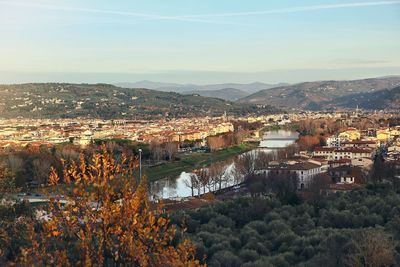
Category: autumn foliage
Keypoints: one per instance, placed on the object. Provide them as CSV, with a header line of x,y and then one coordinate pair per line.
x,y
107,221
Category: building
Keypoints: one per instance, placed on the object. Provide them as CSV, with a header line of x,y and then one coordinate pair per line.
x,y
347,175
334,141
332,153
360,144
350,134
305,170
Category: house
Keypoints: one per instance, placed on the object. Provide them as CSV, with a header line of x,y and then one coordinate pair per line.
x,y
339,162
305,170
334,141
350,134
361,144
348,175
394,148
383,135
333,153
363,163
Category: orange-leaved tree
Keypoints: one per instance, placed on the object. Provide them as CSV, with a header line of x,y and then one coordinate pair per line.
x,y
105,220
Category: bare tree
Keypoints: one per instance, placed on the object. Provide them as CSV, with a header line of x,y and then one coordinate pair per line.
x,y
203,175
372,248
318,188
68,153
262,159
171,148
15,163
217,172
156,151
244,163
41,170
193,182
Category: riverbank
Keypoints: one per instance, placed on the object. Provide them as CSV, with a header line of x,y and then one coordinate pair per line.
x,y
191,161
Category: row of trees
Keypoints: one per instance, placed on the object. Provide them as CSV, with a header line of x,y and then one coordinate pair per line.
x,y
226,140
208,179
224,173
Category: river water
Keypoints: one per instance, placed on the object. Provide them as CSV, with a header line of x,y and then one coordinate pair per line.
x,y
177,187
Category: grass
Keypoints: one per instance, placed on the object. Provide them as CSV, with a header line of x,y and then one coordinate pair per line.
x,y
191,161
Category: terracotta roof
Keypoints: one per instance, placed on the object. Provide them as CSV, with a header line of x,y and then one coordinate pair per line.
x,y
343,149
340,161
324,149
344,187
294,166
360,142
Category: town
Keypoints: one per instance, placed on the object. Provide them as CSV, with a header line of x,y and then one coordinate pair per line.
x,y
340,151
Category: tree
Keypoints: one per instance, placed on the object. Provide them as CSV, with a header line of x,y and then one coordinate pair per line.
x,y
378,169
193,182
217,173
308,142
156,151
41,170
204,178
7,182
256,184
107,220
171,148
284,185
372,248
262,159
317,189
244,164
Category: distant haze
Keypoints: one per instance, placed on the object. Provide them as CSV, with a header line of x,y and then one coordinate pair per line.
x,y
199,77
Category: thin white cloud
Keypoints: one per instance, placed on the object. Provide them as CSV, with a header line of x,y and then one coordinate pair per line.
x,y
203,18
111,12
294,9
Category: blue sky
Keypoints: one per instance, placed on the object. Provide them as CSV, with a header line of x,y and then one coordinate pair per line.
x,y
205,41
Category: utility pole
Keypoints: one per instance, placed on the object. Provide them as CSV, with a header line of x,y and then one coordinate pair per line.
x,y
140,163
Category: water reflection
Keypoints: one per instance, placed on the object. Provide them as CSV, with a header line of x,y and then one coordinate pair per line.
x,y
178,187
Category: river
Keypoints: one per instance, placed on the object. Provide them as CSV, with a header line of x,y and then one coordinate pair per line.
x,y
176,187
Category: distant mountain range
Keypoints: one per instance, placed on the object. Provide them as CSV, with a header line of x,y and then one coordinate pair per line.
x,y
227,91
56,100
321,94
64,100
230,94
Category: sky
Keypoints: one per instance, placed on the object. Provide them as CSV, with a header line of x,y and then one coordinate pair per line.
x,y
192,41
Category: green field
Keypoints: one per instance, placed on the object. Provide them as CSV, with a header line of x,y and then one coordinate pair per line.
x,y
192,161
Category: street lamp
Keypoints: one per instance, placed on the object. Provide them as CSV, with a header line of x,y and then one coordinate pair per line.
x,y
140,163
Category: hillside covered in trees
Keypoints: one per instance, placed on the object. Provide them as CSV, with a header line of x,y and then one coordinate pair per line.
x,y
322,95
358,228
56,100
383,99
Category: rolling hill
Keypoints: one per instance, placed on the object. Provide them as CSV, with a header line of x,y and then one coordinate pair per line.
x,y
316,95
230,94
184,88
56,100
383,99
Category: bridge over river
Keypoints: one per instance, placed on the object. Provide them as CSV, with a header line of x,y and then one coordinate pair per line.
x,y
278,139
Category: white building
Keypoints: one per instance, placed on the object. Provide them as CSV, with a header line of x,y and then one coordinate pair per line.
x,y
305,171
333,153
